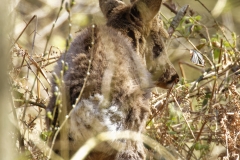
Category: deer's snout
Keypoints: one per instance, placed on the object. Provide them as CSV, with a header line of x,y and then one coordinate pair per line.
x,y
168,79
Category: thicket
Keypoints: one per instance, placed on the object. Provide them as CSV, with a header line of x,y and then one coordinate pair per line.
x,y
199,118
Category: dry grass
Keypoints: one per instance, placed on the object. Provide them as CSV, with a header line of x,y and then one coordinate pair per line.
x,y
201,113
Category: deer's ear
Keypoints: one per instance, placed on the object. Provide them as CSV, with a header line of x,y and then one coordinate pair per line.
x,y
108,5
146,10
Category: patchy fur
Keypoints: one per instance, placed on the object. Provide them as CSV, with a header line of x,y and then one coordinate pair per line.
x,y
129,58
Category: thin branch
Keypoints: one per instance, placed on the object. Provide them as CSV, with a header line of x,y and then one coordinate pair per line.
x,y
80,95
25,28
53,26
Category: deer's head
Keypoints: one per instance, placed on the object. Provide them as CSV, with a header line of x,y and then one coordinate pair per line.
x,y
141,24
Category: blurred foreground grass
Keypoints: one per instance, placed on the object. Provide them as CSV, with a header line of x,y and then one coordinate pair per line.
x,y
6,141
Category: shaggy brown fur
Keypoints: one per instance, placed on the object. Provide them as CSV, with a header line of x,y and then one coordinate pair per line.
x,y
129,58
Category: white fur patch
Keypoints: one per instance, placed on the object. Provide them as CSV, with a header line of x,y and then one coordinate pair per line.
x,y
89,119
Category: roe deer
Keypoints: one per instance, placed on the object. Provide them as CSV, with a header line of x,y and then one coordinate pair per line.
x,y
127,59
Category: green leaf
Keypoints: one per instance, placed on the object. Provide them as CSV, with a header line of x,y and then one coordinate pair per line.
x,y
197,28
226,44
45,134
216,53
198,18
199,146
49,115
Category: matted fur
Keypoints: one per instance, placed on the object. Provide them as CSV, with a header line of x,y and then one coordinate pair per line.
x,y
129,58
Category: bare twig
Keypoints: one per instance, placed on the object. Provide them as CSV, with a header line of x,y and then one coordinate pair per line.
x,y
53,26
25,28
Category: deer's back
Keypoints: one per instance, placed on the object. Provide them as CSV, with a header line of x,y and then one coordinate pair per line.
x,y
116,70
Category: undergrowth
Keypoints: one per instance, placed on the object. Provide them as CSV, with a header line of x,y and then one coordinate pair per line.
x,y
191,120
